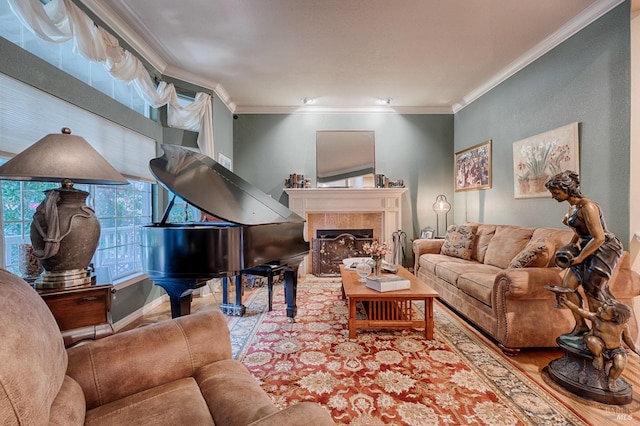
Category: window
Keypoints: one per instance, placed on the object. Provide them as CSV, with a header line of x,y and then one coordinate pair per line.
x,y
121,209
62,56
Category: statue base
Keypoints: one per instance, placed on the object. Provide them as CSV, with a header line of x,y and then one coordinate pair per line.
x,y
575,372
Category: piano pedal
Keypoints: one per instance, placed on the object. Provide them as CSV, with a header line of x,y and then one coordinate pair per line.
x,y
233,310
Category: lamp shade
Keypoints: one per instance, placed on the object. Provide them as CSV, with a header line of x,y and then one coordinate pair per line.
x,y
61,156
441,205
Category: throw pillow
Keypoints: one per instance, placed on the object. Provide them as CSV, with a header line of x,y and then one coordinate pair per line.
x,y
458,241
536,254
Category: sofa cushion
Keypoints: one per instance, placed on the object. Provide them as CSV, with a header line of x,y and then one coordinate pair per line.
x,y
536,254
507,242
233,394
478,284
161,405
458,241
429,261
560,237
484,234
452,270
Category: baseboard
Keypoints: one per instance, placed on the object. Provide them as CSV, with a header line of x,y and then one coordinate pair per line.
x,y
119,325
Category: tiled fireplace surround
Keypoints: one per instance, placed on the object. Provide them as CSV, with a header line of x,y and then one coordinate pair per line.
x,y
379,209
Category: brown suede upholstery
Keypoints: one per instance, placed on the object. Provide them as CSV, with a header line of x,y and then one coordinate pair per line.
x,y
176,372
511,304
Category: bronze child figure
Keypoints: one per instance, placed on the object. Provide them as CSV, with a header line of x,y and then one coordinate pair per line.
x,y
609,329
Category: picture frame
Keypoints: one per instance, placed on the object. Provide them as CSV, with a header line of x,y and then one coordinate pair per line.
x,y
539,157
225,161
473,167
427,233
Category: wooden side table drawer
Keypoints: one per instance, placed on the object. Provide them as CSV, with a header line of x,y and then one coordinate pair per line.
x,y
81,313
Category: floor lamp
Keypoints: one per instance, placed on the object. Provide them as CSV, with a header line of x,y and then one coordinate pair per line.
x,y
441,206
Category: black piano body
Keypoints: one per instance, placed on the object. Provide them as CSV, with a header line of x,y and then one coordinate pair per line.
x,y
255,230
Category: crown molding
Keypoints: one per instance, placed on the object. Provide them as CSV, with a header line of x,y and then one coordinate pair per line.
x,y
585,18
143,49
341,110
106,14
579,22
215,87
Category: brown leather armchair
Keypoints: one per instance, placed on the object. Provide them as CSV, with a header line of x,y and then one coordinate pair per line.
x,y
175,372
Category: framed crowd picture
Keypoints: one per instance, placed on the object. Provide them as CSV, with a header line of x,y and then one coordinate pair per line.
x,y
537,158
473,167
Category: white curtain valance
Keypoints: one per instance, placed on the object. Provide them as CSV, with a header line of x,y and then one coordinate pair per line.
x,y
60,20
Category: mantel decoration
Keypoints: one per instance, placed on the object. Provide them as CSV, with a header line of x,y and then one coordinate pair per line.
x,y
377,251
473,167
537,158
64,231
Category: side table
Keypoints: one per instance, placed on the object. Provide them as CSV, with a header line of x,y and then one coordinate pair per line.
x,y
82,312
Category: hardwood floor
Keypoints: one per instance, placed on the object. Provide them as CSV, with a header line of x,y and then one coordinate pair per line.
x,y
531,361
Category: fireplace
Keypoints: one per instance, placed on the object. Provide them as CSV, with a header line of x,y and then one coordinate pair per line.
x,y
379,209
332,245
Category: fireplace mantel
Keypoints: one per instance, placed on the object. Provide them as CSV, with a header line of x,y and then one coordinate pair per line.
x,y
387,201
379,208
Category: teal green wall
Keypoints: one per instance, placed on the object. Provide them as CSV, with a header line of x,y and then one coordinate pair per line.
x,y
585,79
415,148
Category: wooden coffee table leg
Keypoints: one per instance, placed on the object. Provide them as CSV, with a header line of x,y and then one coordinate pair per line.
x,y
428,318
352,318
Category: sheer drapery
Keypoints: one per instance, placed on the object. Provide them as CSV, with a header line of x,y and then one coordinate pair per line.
x,y
60,20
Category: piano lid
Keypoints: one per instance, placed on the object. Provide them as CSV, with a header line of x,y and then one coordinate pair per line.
x,y
207,185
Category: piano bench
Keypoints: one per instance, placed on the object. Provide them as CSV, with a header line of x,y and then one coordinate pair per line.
x,y
268,270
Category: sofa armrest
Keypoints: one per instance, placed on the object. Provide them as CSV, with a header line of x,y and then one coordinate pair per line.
x,y
625,282
303,413
525,283
422,246
126,363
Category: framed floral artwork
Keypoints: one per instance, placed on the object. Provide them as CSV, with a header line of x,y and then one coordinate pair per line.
x,y
537,158
473,167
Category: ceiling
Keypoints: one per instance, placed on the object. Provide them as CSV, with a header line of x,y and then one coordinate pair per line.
x,y
424,56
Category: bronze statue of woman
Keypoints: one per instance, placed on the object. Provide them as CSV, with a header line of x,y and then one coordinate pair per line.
x,y
597,250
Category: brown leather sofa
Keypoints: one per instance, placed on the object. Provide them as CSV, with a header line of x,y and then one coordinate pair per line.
x,y
497,281
176,372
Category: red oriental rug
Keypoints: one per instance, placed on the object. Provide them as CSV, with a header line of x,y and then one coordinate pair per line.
x,y
384,376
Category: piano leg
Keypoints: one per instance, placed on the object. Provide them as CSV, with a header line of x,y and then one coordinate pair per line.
x,y
237,309
290,290
180,294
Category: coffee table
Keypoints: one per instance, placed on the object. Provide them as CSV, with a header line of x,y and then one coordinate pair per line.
x,y
391,309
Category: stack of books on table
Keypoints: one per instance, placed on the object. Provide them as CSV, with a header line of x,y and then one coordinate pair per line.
x,y
387,282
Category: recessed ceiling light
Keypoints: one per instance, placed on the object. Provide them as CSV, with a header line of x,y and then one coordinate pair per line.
x,y
385,101
308,101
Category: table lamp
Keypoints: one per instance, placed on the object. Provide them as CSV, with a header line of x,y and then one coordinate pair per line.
x,y
441,206
65,231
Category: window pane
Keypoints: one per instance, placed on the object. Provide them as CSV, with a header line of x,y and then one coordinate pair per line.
x,y
122,211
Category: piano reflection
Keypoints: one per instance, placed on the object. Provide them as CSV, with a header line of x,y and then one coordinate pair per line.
x,y
255,230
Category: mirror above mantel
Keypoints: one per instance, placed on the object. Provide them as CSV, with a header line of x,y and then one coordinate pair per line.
x,y
345,158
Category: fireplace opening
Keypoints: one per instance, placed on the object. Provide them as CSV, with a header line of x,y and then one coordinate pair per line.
x,y
331,246
332,233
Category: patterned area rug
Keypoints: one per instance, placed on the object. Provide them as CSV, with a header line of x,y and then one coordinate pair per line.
x,y
384,376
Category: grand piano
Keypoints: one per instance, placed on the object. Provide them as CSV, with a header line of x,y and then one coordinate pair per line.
x,y
255,231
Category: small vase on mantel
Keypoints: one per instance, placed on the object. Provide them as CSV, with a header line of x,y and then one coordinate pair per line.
x,y
377,266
